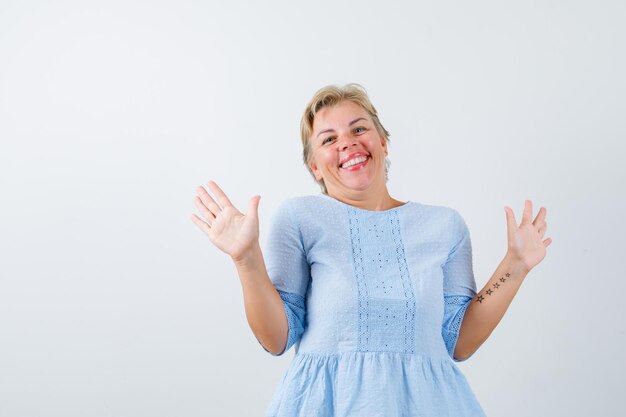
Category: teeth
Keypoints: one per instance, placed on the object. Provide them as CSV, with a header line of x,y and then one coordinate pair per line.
x,y
354,161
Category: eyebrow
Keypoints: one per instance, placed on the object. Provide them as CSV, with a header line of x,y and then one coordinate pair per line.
x,y
349,124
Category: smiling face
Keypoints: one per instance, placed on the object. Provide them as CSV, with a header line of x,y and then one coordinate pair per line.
x,y
347,152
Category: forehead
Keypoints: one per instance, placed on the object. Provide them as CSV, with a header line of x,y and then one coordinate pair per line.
x,y
339,115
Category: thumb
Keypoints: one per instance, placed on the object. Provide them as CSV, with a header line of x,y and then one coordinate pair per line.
x,y
511,224
253,207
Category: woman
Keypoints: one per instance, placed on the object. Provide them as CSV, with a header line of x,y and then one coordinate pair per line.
x,y
377,294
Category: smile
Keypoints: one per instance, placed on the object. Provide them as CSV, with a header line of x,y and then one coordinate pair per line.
x,y
355,163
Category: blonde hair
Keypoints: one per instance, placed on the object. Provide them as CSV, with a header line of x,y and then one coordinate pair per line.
x,y
329,96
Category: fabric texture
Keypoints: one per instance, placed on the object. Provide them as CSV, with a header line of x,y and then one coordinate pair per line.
x,y
374,302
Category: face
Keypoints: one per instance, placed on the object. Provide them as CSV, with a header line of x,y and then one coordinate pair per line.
x,y
347,151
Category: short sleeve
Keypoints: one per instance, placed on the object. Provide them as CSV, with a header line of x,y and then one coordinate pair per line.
x,y
288,269
459,287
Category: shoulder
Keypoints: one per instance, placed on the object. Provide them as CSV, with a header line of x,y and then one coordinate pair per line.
x,y
294,209
435,219
435,212
303,204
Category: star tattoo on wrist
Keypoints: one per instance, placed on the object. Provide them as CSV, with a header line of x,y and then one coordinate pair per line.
x,y
480,297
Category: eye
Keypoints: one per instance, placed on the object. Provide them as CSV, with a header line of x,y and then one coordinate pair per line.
x,y
360,130
327,139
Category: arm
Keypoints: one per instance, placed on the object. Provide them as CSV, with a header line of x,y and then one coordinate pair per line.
x,y
488,307
237,235
264,306
525,250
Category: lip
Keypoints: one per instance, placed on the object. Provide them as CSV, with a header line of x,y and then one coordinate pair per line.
x,y
353,155
357,166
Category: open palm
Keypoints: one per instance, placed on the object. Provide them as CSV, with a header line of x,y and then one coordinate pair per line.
x,y
525,242
227,228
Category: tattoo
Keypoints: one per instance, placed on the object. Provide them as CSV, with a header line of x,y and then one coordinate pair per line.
x,y
480,297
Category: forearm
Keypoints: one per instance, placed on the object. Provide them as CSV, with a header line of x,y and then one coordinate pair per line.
x,y
488,306
263,305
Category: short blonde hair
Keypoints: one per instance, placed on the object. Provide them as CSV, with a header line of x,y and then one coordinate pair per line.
x,y
329,96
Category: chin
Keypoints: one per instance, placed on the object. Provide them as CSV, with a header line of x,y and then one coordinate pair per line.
x,y
360,186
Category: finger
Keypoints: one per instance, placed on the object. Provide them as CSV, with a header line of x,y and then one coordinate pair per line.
x,y
547,242
541,216
511,224
542,229
208,201
208,216
528,212
253,207
202,225
539,225
221,196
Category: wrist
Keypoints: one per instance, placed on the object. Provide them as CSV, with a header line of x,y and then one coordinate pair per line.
x,y
247,258
515,264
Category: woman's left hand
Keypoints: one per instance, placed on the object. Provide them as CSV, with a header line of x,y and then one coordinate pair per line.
x,y
526,243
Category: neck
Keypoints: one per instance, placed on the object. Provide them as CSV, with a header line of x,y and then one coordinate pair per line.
x,y
366,199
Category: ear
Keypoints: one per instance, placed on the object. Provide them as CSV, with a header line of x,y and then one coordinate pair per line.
x,y
315,170
384,145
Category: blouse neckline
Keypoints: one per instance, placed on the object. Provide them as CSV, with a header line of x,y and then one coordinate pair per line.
x,y
358,209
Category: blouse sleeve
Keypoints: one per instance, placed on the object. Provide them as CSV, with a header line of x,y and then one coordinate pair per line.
x,y
459,287
288,270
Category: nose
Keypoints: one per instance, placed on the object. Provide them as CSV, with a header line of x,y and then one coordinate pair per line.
x,y
346,141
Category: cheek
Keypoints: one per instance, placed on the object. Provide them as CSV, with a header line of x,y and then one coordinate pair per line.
x,y
327,157
323,160
375,145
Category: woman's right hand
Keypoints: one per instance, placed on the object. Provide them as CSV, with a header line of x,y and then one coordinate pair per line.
x,y
230,230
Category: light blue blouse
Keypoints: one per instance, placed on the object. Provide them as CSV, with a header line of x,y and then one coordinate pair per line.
x,y
374,302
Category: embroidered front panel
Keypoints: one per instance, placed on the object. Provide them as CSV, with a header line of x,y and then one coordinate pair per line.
x,y
385,294
407,287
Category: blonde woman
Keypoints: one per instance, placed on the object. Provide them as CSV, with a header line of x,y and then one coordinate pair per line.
x,y
377,295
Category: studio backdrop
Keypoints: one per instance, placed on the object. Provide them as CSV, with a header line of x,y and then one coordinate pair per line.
x,y
113,303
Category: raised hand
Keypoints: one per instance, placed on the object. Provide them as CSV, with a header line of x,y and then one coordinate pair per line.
x,y
526,242
230,230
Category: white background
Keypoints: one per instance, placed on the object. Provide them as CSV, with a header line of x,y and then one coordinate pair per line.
x,y
113,303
